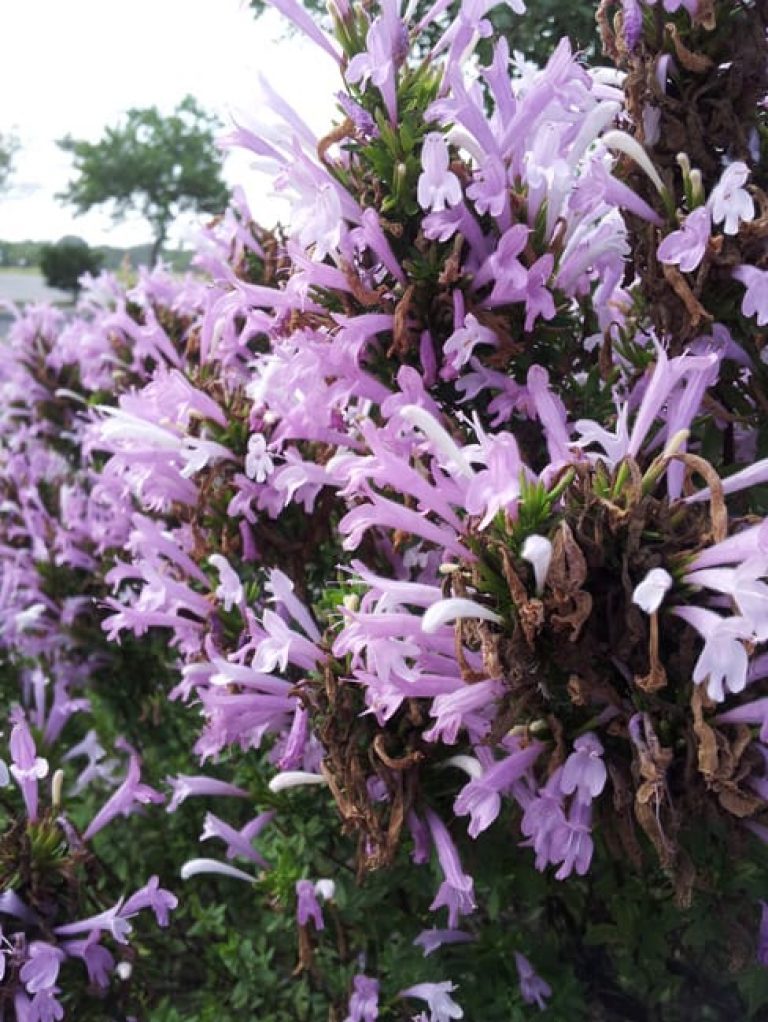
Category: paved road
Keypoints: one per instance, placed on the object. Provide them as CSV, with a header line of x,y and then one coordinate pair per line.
x,y
28,287
22,288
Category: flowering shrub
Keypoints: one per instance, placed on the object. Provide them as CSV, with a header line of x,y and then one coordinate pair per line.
x,y
439,515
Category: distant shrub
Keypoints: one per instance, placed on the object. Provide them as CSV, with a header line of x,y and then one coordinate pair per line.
x,y
64,263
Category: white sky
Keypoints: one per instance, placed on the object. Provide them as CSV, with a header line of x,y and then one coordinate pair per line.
x,y
74,66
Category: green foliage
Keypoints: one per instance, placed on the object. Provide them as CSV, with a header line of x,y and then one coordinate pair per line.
x,y
159,166
64,263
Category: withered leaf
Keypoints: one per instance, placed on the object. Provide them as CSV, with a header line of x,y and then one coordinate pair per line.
x,y
708,759
568,567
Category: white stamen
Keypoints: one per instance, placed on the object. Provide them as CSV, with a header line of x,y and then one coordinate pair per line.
x,y
649,594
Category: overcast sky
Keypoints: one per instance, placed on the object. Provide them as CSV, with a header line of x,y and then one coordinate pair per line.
x,y
74,66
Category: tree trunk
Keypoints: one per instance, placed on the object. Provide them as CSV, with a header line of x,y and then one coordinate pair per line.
x,y
157,246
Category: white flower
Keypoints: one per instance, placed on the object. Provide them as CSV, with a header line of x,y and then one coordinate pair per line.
x,y
230,591
652,590
729,200
537,550
294,779
194,866
325,889
258,462
445,611
723,662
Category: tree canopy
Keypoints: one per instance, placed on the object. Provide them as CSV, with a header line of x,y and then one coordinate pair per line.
x,y
159,166
64,263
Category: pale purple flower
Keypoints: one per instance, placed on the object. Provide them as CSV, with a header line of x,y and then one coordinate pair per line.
x,y
362,120
431,940
755,712
551,413
230,589
45,1006
422,841
99,962
459,347
364,1000
742,583
442,1007
723,662
509,274
112,920
41,968
456,892
123,801
480,798
755,300
153,896
307,24
184,786
197,453
489,189
649,593
584,772
497,487
533,989
686,247
307,905
238,841
729,200
386,46
633,24
27,767
762,940
438,186
572,843
538,298
739,547
319,221
464,707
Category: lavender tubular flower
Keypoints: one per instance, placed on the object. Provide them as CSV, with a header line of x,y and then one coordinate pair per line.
x,y
27,768
441,1005
456,892
438,186
584,772
687,246
533,988
184,786
481,799
123,801
364,1000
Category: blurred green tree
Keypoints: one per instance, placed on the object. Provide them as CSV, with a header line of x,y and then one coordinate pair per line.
x,y
159,166
64,263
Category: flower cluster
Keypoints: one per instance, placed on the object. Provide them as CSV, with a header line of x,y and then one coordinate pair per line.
x,y
445,527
